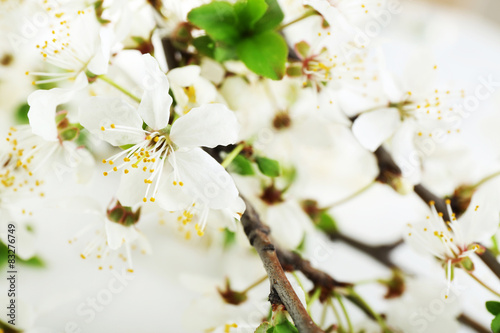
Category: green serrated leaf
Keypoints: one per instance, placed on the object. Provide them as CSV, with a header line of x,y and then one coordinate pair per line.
x,y
242,166
271,19
21,114
265,54
205,46
218,19
249,12
326,223
493,307
495,324
268,167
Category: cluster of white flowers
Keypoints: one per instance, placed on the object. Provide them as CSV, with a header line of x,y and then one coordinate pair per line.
x,y
122,120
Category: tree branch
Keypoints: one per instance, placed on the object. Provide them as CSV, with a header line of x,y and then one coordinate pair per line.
x,y
427,196
257,233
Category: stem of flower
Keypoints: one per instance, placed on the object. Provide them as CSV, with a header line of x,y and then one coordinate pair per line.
x,y
106,79
352,196
495,249
485,179
336,313
255,284
360,302
346,315
232,155
482,283
298,19
323,316
296,277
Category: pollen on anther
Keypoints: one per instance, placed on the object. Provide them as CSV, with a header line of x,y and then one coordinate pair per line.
x,y
432,202
144,199
174,182
181,183
102,128
82,256
152,199
105,173
448,201
125,171
112,126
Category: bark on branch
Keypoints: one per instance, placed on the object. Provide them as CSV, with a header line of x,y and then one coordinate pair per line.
x,y
258,235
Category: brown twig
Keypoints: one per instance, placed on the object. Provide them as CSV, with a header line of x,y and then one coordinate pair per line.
x,y
381,253
468,321
258,235
291,261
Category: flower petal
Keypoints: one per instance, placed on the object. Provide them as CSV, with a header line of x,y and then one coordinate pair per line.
x,y
184,76
43,104
96,113
209,125
172,197
155,101
205,180
132,189
117,234
374,127
100,62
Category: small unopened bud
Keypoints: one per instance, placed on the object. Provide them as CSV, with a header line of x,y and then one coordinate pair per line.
x,y
395,285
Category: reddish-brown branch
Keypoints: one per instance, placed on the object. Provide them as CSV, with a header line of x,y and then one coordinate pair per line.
x,y
258,235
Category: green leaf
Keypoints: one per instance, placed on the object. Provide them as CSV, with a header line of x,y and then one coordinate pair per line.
x,y
224,52
493,307
495,324
268,167
35,261
262,328
229,238
271,19
242,166
249,12
302,245
264,54
286,327
326,223
218,19
21,114
205,45
3,254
